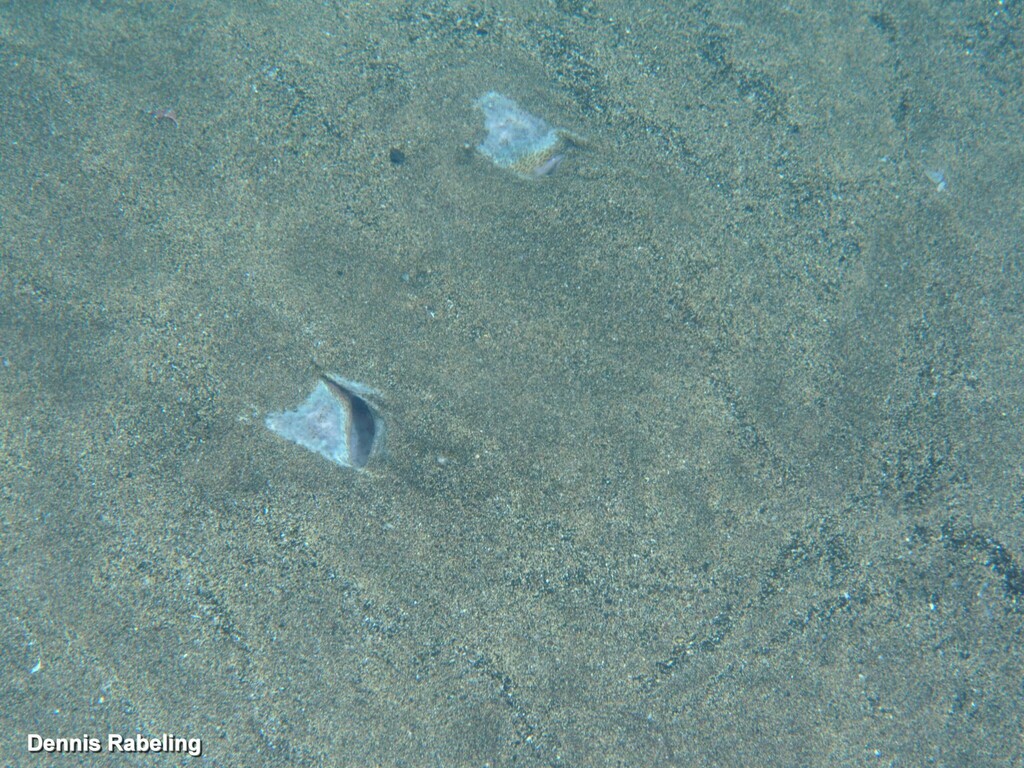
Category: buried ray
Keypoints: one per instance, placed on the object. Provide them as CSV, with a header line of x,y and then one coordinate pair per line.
x,y
335,421
518,141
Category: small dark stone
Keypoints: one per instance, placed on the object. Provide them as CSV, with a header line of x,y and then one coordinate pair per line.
x,y
396,156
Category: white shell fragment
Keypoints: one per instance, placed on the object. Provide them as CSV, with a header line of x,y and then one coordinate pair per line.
x,y
336,421
518,141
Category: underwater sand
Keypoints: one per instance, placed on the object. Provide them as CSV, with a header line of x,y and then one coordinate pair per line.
x,y
718,428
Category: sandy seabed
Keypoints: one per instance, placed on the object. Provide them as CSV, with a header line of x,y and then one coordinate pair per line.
x,y
705,449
